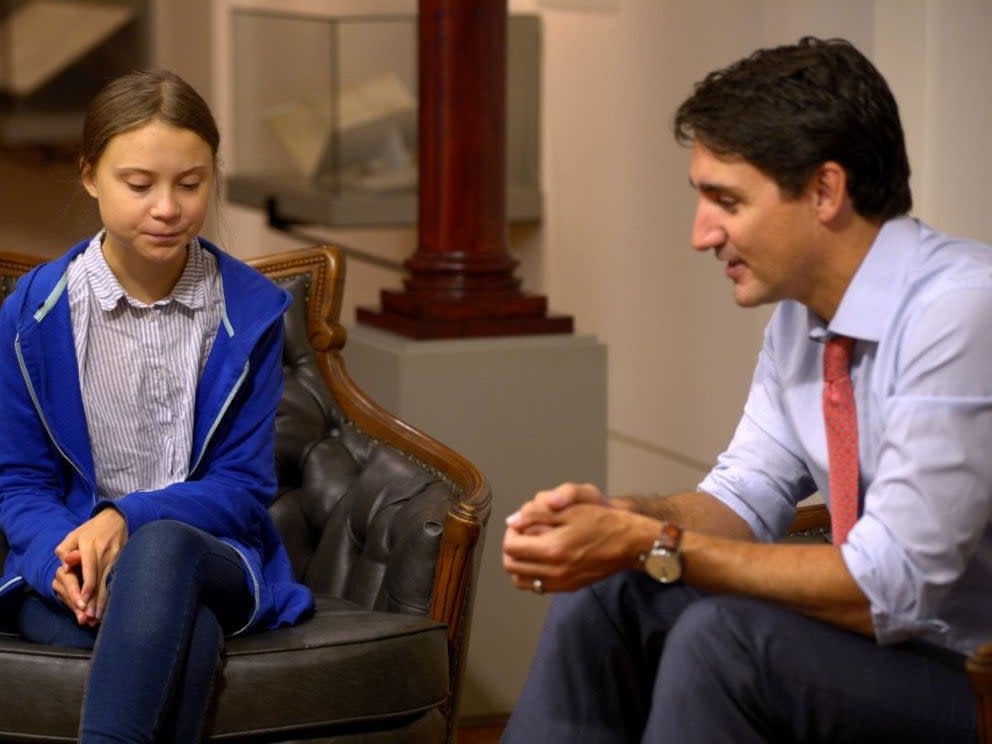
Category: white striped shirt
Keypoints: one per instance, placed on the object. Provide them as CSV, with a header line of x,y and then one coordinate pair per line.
x,y
139,366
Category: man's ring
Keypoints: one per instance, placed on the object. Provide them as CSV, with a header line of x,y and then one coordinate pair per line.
x,y
538,586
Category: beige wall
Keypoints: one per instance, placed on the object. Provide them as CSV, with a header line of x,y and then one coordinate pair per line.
x,y
612,249
615,237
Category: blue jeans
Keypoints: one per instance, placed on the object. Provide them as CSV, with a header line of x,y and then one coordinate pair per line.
x,y
174,592
630,660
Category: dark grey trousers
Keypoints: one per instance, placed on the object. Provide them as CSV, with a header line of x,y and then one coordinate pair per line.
x,y
630,660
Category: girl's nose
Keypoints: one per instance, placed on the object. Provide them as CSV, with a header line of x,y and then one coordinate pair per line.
x,y
166,206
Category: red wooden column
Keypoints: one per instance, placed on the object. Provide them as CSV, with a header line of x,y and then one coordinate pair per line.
x,y
461,279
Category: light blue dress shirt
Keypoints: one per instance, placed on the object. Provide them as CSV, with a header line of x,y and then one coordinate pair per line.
x,y
920,307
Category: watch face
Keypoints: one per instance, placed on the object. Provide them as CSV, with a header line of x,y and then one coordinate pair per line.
x,y
663,565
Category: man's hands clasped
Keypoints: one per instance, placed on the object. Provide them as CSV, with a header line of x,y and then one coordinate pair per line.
x,y
570,536
88,553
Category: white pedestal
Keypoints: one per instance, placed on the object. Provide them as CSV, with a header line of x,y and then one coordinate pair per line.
x,y
529,412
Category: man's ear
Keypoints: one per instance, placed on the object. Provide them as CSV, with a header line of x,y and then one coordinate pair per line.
x,y
86,176
829,186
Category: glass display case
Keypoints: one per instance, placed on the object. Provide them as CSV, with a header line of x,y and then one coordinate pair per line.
x,y
325,117
55,55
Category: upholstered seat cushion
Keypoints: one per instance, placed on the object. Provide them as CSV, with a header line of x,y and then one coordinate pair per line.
x,y
342,667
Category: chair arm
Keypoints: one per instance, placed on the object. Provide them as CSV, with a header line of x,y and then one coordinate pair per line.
x,y
810,517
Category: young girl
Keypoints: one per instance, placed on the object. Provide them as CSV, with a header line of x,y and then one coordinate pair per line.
x,y
141,373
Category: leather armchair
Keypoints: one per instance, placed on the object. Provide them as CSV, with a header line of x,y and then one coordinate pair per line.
x,y
382,522
813,523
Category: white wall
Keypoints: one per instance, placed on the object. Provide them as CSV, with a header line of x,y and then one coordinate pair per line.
x,y
615,234
619,209
938,60
612,249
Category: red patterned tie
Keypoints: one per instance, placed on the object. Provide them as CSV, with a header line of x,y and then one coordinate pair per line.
x,y
842,435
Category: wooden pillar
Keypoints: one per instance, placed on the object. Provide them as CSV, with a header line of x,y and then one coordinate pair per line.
x,y
461,279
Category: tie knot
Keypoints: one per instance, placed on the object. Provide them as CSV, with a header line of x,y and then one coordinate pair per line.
x,y
837,357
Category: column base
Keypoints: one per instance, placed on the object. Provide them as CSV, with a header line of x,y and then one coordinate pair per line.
x,y
423,328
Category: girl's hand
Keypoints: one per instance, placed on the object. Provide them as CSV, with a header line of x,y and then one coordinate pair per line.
x,y
67,587
88,553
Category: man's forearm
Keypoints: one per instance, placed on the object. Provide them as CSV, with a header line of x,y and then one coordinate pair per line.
x,y
692,510
810,579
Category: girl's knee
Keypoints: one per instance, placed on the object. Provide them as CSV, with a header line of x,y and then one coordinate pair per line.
x,y
164,533
161,542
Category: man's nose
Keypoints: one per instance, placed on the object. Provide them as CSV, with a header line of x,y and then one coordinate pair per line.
x,y
707,233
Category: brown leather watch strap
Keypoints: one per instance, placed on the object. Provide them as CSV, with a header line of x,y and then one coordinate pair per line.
x,y
670,537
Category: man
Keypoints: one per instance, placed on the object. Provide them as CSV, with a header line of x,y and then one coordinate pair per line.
x,y
680,619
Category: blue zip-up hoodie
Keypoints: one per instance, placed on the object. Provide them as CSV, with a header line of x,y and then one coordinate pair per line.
x,y
47,477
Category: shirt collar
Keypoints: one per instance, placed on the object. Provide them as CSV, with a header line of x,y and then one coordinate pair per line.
x,y
874,291
189,290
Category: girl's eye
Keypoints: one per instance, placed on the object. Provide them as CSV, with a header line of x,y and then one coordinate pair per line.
x,y
138,187
190,186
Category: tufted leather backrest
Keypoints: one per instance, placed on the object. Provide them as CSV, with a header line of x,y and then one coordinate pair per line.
x,y
346,507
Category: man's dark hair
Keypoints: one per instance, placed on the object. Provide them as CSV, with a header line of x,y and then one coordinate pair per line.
x,y
790,109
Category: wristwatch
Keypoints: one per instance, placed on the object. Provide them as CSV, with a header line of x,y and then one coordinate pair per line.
x,y
664,561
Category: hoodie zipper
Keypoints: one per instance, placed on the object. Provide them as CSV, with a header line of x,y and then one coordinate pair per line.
x,y
255,589
41,414
220,415
14,582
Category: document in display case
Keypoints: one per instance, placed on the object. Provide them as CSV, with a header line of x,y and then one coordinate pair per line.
x,y
325,117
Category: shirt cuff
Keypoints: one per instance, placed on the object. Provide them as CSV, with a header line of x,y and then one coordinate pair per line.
x,y
885,575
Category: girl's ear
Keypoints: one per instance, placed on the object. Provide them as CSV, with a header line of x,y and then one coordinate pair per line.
x,y
86,176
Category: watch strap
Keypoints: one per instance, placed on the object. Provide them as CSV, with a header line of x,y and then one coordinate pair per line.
x,y
670,537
